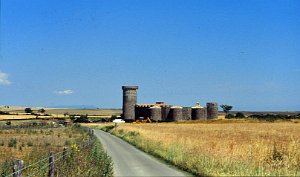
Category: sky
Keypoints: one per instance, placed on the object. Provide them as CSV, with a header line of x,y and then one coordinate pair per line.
x,y
80,52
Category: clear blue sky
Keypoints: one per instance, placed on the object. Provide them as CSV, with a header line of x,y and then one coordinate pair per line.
x,y
80,52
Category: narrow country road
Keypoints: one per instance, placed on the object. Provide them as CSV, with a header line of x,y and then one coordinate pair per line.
x,y
129,161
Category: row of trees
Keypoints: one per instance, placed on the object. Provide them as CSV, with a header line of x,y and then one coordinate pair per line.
x,y
29,110
268,117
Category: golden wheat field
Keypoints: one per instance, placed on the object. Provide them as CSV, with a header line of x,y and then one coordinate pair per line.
x,y
221,147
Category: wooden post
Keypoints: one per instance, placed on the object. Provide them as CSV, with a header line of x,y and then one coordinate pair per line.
x,y
18,165
65,154
51,165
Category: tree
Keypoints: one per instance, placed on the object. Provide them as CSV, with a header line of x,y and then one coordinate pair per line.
x,y
226,108
28,110
42,110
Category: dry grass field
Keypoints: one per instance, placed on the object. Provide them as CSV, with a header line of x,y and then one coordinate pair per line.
x,y
17,113
20,143
85,111
223,147
34,143
62,111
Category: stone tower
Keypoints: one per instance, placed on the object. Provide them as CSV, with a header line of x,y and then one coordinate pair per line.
x,y
129,102
212,110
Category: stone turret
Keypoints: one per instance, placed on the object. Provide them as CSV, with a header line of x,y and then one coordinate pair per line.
x,y
129,102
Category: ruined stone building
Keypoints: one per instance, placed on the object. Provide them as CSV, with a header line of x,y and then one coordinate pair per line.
x,y
160,111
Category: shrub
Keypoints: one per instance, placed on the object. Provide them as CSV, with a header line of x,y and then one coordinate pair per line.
x,y
42,110
82,119
12,142
8,123
229,116
28,110
4,113
240,115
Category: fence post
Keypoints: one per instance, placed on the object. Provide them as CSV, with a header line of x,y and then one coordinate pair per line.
x,y
18,165
65,154
51,165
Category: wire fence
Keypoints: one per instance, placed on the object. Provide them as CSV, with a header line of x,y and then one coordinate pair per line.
x,y
18,168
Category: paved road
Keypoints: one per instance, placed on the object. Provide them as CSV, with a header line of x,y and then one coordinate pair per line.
x,y
129,161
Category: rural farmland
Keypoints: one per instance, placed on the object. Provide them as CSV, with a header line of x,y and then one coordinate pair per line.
x,y
18,113
220,148
154,88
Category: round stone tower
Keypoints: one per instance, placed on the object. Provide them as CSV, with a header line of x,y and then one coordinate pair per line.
x,y
176,113
212,110
199,113
129,102
155,112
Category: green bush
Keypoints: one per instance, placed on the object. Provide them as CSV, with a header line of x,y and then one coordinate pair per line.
x,y
239,115
82,119
229,116
12,142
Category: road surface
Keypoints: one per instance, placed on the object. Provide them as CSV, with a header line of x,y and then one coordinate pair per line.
x,y
129,161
